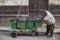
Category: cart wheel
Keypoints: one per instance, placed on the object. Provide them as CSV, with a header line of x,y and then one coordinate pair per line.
x,y
36,33
13,34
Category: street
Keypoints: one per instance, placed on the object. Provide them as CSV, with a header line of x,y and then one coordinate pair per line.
x,y
6,36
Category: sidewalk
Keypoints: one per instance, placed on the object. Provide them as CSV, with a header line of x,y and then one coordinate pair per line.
x,y
43,30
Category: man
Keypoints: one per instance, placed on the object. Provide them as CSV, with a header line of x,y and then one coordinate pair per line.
x,y
50,21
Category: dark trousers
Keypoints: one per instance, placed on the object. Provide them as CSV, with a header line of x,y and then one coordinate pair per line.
x,y
50,29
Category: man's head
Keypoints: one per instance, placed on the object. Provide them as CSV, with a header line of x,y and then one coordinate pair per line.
x,y
43,14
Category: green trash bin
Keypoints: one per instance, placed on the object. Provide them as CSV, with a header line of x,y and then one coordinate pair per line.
x,y
31,25
22,25
38,23
13,24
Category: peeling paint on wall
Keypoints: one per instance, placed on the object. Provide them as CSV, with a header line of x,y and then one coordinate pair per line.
x,y
55,2
14,2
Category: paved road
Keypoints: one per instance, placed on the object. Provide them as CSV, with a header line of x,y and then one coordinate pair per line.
x,y
5,36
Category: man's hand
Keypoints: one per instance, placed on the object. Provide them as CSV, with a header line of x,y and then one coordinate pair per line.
x,y
42,19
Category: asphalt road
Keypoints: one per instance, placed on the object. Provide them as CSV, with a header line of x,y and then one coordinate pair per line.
x,y
6,36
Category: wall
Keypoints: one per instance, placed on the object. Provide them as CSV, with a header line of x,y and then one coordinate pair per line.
x,y
55,2
14,2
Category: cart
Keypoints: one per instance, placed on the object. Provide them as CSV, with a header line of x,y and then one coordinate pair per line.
x,y
23,25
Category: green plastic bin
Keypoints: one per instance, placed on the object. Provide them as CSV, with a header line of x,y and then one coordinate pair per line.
x,y
22,25
13,24
31,25
38,23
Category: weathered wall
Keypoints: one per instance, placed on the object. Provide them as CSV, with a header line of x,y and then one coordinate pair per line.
x,y
9,10
36,6
55,2
13,2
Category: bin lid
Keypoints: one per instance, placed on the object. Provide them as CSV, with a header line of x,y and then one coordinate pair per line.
x,y
32,19
38,19
22,19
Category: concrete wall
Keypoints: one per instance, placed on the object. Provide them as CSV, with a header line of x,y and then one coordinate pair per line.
x,y
25,2
10,9
56,2
11,6
14,2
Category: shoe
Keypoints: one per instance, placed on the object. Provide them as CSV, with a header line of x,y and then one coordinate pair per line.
x,y
49,36
46,33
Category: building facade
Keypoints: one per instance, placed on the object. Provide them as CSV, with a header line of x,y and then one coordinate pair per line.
x,y
10,8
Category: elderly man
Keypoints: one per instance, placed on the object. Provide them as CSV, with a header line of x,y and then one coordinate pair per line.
x,y
50,21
